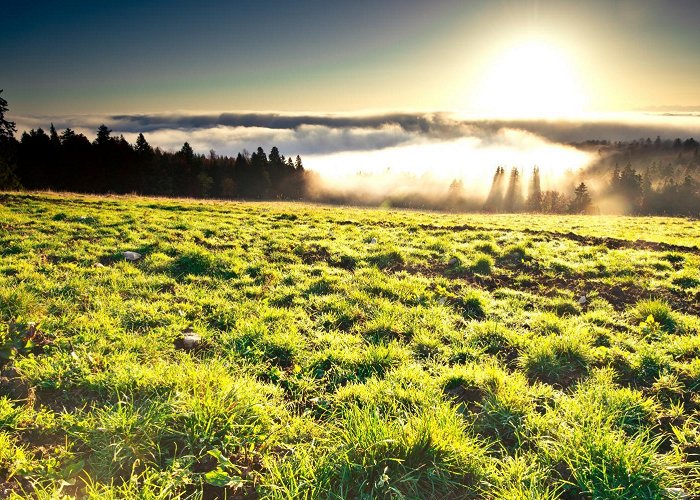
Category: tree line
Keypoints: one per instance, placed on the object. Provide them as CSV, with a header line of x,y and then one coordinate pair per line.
x,y
665,196
506,196
69,161
635,192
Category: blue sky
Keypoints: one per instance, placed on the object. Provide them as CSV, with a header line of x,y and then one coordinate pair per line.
x,y
131,57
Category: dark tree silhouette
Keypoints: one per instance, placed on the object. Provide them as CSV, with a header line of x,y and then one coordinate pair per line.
x,y
75,161
8,150
69,161
260,175
103,135
7,128
34,162
53,136
142,147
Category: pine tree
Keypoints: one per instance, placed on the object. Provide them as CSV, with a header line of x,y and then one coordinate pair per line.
x,y
142,146
582,199
276,172
630,186
8,148
186,151
7,128
494,201
534,197
103,135
615,179
513,201
53,136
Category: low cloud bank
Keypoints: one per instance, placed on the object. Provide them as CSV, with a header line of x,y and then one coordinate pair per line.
x,y
336,133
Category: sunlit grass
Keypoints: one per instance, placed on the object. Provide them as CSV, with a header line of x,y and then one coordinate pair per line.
x,y
343,352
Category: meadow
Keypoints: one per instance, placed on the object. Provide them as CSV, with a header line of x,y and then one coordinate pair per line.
x,y
283,350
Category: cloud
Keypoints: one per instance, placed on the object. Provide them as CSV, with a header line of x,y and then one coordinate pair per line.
x,y
229,133
408,122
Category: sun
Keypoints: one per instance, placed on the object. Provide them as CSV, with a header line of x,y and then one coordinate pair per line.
x,y
530,79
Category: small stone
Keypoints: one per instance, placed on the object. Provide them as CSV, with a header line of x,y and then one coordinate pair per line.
x,y
189,340
373,241
453,261
132,256
98,264
582,300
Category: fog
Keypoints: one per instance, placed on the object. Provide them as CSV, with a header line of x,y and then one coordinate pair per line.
x,y
428,167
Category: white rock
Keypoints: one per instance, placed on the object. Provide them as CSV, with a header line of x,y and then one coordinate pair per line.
x,y
582,300
191,340
132,256
98,264
373,241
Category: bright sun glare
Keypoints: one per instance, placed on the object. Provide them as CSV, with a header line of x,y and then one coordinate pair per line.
x,y
531,79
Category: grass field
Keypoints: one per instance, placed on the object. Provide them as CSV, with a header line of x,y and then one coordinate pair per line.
x,y
287,350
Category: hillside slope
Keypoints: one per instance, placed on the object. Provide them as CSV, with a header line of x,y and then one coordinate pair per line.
x,y
288,350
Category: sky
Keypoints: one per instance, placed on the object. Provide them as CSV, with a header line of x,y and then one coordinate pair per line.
x,y
318,56
361,86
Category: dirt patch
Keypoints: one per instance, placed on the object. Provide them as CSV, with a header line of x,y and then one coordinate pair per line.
x,y
616,243
611,243
315,253
467,395
620,296
14,386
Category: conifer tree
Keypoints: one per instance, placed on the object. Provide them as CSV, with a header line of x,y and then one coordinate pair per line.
x,y
534,197
582,199
494,201
513,201
8,149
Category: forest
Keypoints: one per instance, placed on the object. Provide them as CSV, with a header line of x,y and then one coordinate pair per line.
x,y
635,190
70,162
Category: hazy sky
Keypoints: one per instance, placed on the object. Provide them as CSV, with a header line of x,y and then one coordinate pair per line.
x,y
319,56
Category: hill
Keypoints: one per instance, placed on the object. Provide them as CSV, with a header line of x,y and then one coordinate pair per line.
x,y
181,348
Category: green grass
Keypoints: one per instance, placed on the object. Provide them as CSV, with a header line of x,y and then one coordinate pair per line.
x,y
344,353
